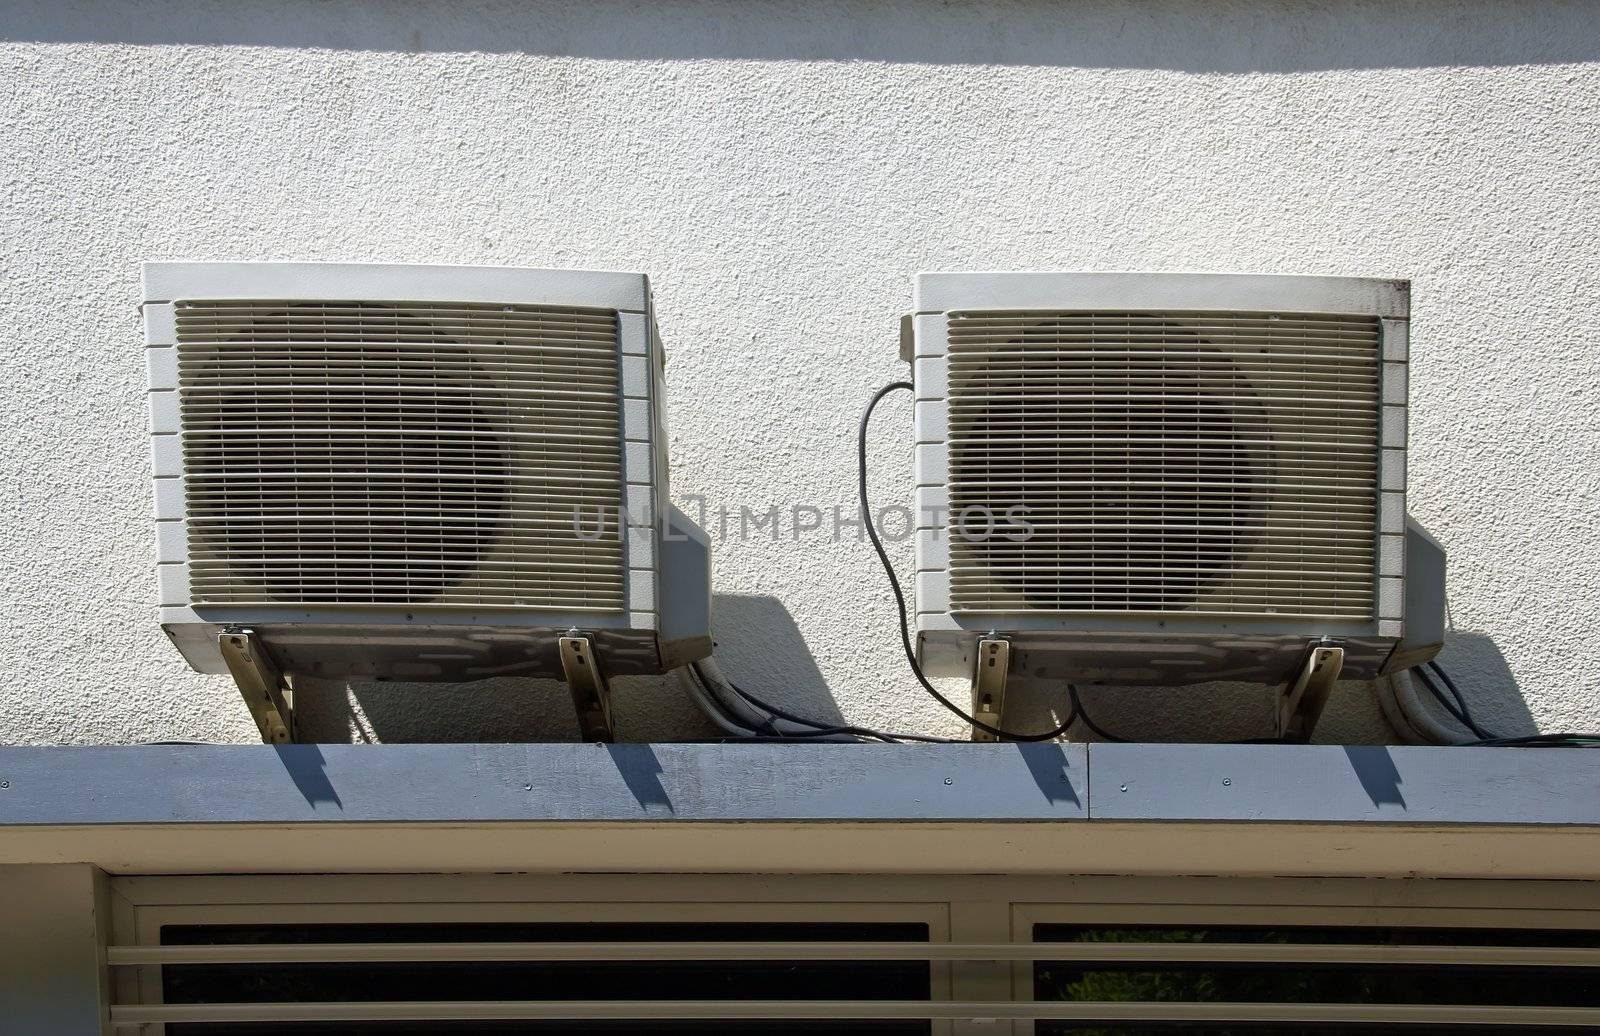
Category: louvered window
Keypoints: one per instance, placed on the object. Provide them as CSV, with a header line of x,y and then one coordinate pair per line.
x,y
1007,954
548,978
1237,979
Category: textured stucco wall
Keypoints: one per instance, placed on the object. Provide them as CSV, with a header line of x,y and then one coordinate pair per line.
x,y
781,169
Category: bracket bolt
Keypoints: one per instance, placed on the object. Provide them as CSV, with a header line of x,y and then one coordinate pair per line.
x,y
949,780
1227,782
4,785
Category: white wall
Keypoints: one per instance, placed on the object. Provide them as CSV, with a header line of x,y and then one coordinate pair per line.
x,y
781,169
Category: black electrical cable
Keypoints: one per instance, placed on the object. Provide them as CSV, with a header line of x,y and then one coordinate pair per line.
x,y
1541,741
1451,702
1083,714
1459,709
1420,675
1455,704
768,728
819,729
860,731
765,730
755,739
900,597
1455,692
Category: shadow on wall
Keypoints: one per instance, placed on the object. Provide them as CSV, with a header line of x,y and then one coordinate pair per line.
x,y
500,710
1475,663
763,649
1218,712
760,648
1180,35
1203,712
515,710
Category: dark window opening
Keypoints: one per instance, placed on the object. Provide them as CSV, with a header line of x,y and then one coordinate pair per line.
x,y
731,979
1328,1029
1346,983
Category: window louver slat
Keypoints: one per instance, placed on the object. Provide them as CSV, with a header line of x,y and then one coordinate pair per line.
x,y
1166,462
359,453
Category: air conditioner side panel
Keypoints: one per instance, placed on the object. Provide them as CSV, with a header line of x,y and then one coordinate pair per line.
x,y
166,457
931,430
1394,388
641,404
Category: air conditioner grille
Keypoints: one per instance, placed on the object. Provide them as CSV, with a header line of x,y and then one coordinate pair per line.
x,y
388,453
1166,461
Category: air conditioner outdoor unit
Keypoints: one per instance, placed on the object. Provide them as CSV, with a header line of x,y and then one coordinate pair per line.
x,y
1166,478
429,473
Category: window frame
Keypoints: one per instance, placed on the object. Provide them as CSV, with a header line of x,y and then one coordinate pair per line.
x,y
978,909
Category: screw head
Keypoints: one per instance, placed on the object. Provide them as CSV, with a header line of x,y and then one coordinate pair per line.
x,y
949,780
1123,787
1227,782
4,785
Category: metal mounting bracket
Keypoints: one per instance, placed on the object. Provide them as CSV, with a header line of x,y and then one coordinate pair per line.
x,y
989,685
261,683
591,694
1300,705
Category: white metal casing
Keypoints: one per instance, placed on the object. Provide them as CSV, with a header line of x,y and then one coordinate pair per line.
x,y
1055,392
337,409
